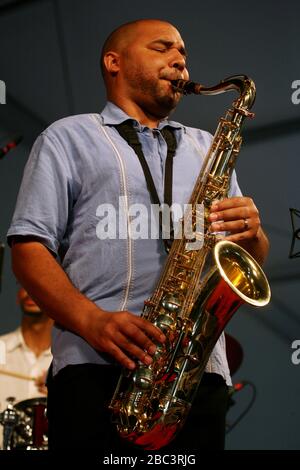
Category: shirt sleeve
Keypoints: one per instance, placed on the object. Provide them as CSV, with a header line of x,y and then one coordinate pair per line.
x,y
234,189
45,195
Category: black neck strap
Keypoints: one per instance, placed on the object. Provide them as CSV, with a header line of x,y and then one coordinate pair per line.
x,y
127,131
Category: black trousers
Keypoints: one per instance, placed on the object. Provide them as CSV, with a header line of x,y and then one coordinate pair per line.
x,y
78,415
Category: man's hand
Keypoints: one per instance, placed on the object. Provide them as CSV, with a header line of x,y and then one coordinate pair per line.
x,y
40,383
126,337
240,217
237,215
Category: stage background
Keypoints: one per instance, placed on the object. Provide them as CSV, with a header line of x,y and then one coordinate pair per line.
x,y
50,63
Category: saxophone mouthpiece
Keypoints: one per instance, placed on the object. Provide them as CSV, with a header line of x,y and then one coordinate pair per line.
x,y
186,87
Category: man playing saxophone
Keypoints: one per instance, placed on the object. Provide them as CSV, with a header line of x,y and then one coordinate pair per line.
x,y
95,288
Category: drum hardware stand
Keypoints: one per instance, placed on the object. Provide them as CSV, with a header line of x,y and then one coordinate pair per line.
x,y
7,143
296,233
1,262
9,419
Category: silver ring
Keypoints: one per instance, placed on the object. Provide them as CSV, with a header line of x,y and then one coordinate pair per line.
x,y
246,225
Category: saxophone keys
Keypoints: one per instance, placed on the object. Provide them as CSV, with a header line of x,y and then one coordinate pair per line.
x,y
171,302
193,358
143,378
149,303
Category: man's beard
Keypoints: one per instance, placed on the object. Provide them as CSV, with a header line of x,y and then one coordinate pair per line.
x,y
161,101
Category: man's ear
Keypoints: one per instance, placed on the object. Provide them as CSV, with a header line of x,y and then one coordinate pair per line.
x,y
112,62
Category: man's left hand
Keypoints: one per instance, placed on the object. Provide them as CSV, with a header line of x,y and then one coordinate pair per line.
x,y
237,215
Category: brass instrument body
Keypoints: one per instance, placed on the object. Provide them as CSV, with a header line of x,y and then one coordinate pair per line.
x,y
199,290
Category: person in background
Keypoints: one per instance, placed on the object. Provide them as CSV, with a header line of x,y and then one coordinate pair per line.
x,y
27,354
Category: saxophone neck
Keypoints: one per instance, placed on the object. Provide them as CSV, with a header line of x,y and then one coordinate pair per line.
x,y
244,85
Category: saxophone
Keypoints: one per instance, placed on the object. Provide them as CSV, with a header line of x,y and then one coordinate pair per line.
x,y
198,292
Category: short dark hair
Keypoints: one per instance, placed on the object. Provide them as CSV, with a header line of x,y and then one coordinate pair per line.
x,y
113,39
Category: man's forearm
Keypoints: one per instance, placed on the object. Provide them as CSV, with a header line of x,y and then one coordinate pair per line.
x,y
47,283
258,247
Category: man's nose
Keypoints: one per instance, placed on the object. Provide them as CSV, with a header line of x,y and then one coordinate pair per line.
x,y
178,61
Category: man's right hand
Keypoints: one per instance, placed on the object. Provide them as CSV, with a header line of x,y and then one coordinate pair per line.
x,y
124,336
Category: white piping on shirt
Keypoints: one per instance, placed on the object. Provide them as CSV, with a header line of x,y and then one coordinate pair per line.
x,y
125,190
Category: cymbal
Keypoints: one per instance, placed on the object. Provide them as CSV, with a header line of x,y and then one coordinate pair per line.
x,y
234,353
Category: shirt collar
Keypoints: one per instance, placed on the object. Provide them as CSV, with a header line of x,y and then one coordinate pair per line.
x,y
16,340
113,115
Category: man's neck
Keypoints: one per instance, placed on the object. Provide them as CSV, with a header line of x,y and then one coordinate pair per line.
x,y
36,332
143,116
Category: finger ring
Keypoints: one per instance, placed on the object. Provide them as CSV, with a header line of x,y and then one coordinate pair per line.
x,y
246,225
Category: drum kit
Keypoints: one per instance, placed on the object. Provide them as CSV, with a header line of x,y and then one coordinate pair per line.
x,y
25,425
234,352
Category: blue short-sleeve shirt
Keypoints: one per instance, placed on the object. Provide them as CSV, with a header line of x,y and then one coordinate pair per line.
x,y
79,167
